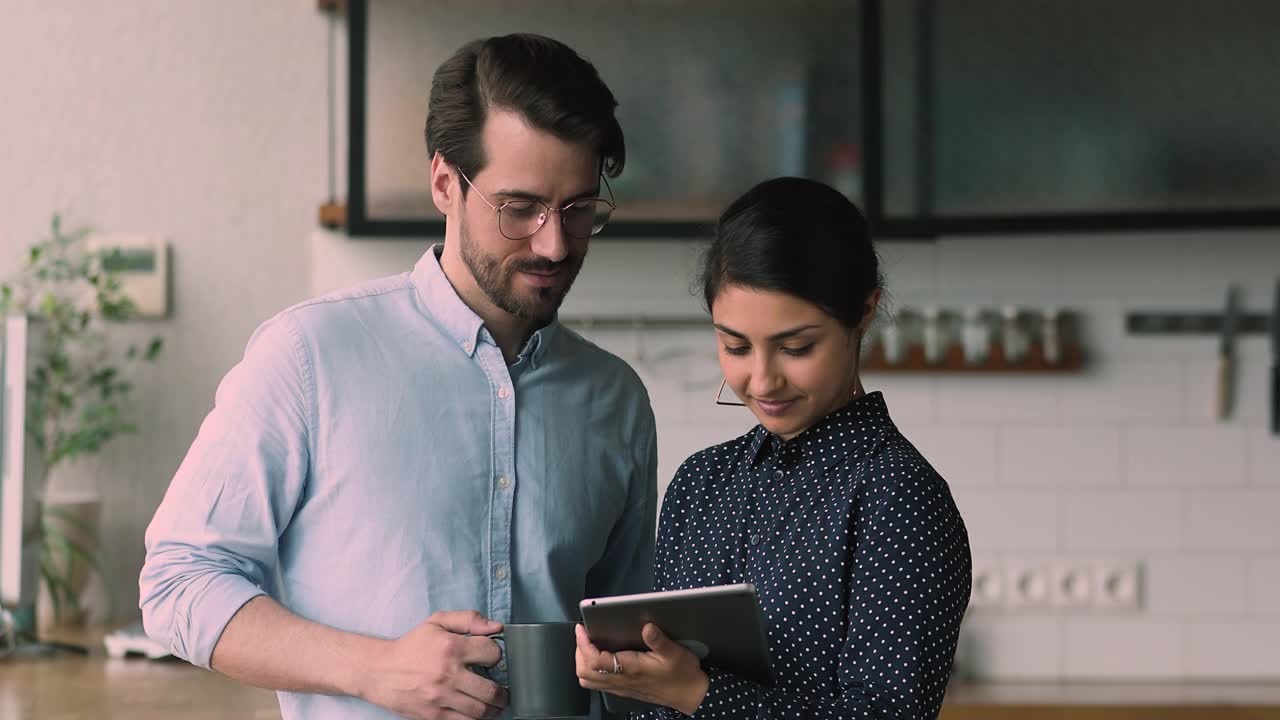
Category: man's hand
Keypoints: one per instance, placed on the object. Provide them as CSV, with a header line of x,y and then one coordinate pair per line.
x,y
424,675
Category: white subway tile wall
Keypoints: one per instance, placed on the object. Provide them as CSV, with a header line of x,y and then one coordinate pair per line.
x,y
1241,520
1264,457
964,454
1119,391
1209,585
1264,587
1138,648
1232,650
1062,456
1009,519
1121,520
1011,399
1015,646
1180,456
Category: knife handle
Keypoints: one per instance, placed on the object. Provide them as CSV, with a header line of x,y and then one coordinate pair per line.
x,y
1275,400
1225,374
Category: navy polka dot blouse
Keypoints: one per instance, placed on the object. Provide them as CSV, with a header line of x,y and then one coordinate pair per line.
x,y
858,554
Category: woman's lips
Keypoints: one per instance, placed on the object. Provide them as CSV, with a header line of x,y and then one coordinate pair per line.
x,y
777,407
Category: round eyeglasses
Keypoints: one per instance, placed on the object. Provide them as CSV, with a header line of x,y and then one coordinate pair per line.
x,y
520,219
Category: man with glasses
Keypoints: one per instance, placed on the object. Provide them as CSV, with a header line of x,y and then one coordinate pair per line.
x,y
395,470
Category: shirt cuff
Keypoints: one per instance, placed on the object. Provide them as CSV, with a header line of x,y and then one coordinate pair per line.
x,y
212,607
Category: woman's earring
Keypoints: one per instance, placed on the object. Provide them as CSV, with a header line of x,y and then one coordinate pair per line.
x,y
720,391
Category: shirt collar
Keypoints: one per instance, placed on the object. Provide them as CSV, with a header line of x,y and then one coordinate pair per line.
x,y
536,348
442,302
760,440
861,419
444,305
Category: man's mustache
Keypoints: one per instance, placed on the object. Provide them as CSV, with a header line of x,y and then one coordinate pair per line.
x,y
539,266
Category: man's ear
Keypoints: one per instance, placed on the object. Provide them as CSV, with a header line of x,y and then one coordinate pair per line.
x,y
444,190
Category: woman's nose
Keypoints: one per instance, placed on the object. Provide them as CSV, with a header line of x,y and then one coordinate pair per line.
x,y
764,379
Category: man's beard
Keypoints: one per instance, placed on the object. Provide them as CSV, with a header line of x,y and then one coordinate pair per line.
x,y
499,286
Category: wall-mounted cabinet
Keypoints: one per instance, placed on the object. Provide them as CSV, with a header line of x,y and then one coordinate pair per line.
x,y
936,116
713,95
1022,115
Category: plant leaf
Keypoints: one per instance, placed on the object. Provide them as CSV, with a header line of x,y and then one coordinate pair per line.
x,y
59,588
68,517
75,551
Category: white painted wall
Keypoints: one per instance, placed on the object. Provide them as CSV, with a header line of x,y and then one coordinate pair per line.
x,y
202,123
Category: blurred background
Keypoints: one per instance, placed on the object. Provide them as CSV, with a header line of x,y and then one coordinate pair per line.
x,y
1064,194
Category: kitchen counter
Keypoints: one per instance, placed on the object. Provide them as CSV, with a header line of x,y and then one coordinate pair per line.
x,y
76,687
1112,701
72,687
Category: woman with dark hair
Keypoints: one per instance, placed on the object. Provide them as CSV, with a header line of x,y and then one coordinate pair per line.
x,y
851,538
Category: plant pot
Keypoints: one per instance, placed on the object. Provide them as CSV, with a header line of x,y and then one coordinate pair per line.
x,y
70,535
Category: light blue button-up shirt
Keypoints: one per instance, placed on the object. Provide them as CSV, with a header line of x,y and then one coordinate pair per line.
x,y
373,459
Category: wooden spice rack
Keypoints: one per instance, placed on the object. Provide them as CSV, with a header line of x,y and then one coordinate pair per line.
x,y
953,361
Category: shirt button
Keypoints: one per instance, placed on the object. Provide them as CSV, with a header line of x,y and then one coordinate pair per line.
x,y
503,393
502,665
777,474
503,482
500,572
468,346
755,539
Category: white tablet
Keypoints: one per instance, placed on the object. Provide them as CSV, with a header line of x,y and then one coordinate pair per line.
x,y
722,625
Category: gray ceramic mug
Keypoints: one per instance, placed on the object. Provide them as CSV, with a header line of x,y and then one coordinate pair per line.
x,y
542,670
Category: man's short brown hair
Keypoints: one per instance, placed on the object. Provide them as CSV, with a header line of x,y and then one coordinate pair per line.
x,y
543,80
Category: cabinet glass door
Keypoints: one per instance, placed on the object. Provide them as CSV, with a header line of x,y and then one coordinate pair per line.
x,y
1027,107
713,95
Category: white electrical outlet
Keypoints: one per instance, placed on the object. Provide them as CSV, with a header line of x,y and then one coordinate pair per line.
x,y
988,586
1057,584
1026,586
1072,585
1117,585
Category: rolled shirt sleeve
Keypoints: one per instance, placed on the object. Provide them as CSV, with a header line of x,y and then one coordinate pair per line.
x,y
212,544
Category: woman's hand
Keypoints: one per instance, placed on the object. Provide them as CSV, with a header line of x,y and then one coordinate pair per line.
x,y
668,674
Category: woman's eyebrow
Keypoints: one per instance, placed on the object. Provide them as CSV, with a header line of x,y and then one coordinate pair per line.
x,y
776,336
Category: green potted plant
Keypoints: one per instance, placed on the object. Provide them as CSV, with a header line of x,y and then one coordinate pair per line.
x,y
78,391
